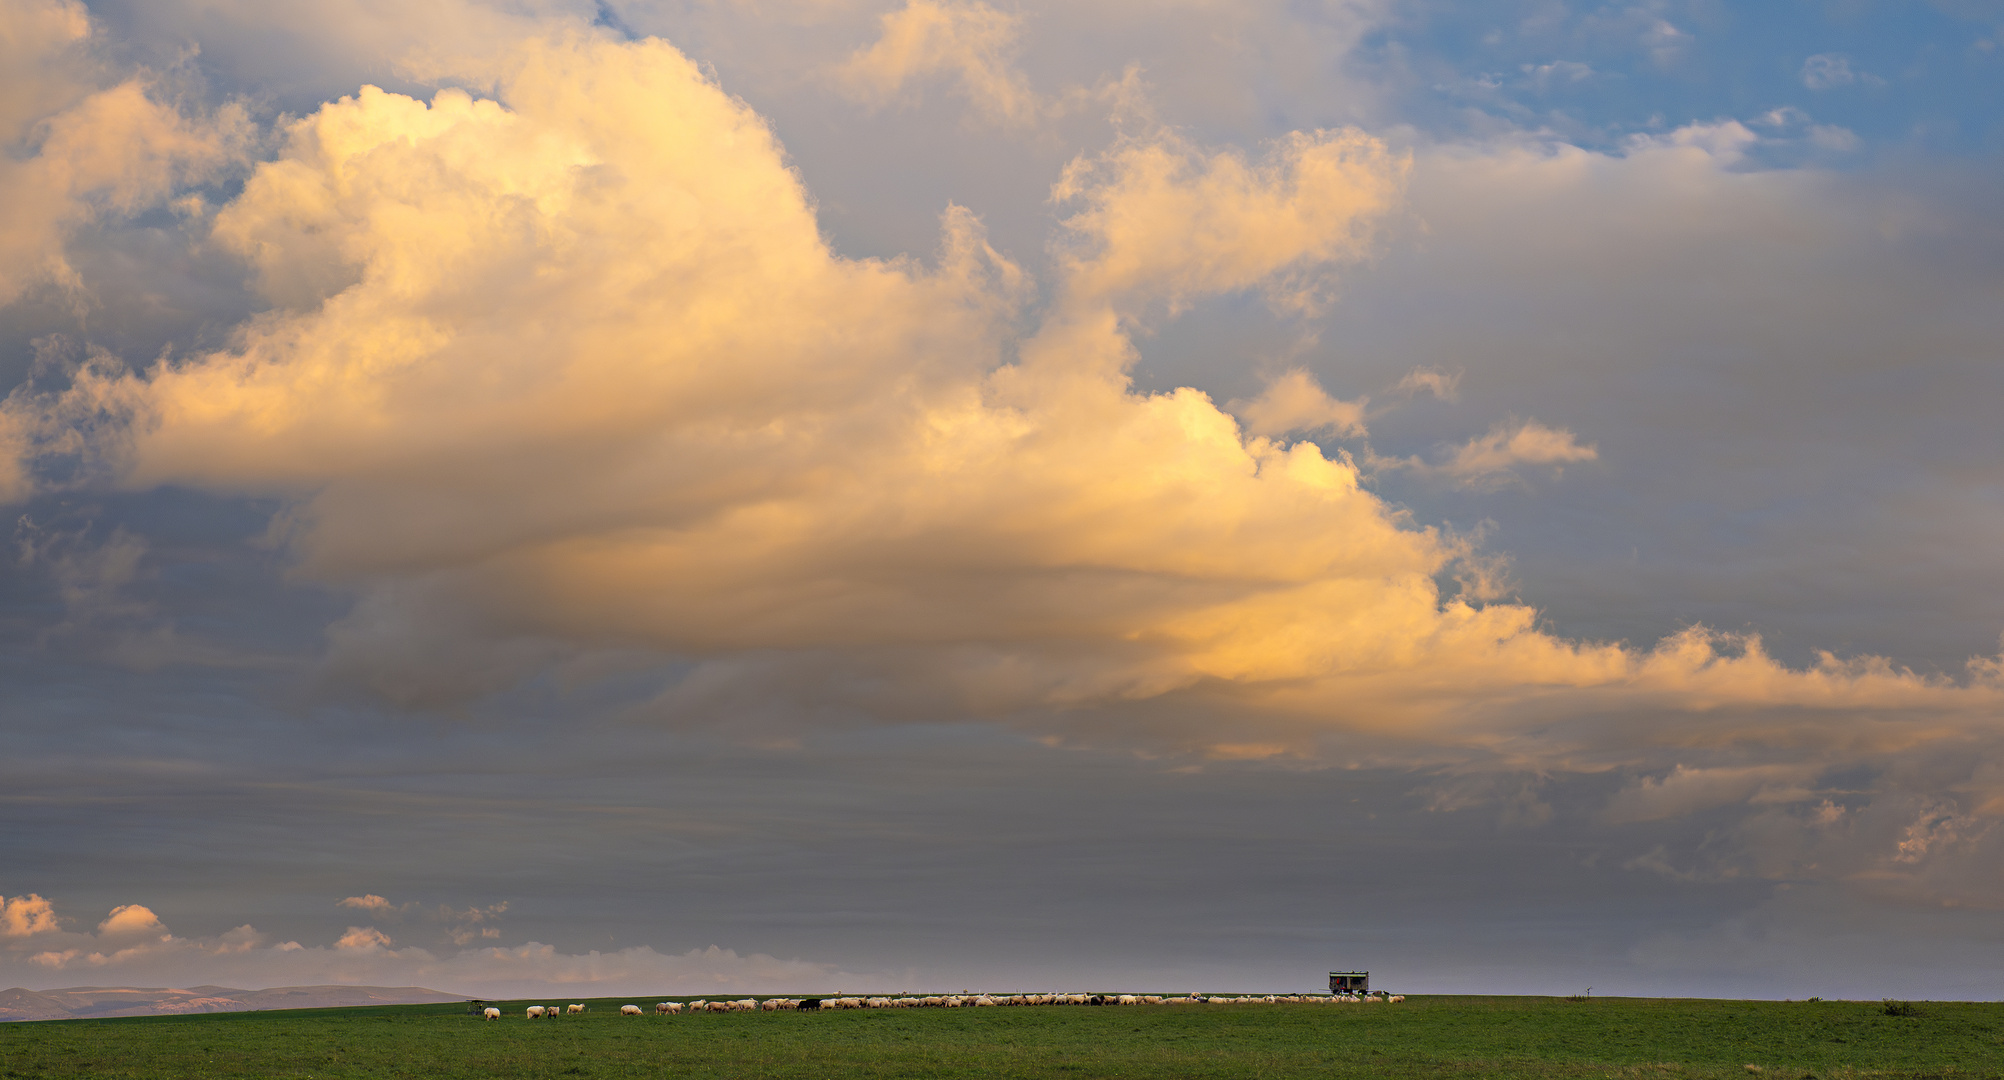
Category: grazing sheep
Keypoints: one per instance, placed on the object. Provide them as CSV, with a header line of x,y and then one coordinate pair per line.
x,y
1127,999
1396,997
578,1008
1151,999
534,1012
629,1010
831,1003
551,1012
490,1013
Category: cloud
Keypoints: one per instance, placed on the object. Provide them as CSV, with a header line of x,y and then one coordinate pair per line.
x,y
90,578
132,946
94,150
493,390
1489,457
1295,402
1162,221
1441,384
1686,790
25,916
1827,71
1558,72
929,38
364,937
43,61
129,920
1834,138
459,926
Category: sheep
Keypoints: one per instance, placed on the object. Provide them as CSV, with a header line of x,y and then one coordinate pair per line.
x,y
490,1013
534,1012
551,1012
1127,999
1151,999
1396,997
629,1010
831,1003
578,1008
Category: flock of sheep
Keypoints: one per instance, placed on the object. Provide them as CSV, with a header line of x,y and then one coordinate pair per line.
x,y
952,1001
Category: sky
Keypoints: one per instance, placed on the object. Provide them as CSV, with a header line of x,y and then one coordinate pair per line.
x,y
544,496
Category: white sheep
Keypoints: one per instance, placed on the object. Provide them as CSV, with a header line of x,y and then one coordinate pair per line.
x,y
663,1008
534,1012
577,1008
490,1013
629,1010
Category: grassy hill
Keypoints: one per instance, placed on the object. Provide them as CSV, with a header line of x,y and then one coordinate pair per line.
x,y
1466,1037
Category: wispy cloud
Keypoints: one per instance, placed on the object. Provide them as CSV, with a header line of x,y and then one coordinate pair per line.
x,y
964,40
1491,458
1295,402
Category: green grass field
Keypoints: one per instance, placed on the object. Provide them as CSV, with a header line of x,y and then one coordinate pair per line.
x,y
1424,1036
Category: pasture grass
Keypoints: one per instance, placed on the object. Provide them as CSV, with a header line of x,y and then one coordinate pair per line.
x,y
1460,1037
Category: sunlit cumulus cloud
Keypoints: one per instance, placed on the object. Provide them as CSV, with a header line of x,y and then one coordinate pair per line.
x,y
95,147
572,368
132,946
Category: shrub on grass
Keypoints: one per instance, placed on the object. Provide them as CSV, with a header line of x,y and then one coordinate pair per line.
x,y
1900,1008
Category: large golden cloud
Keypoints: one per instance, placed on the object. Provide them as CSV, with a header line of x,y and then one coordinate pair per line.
x,y
571,367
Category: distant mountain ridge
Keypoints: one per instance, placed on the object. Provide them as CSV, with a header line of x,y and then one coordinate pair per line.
x,y
87,1001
